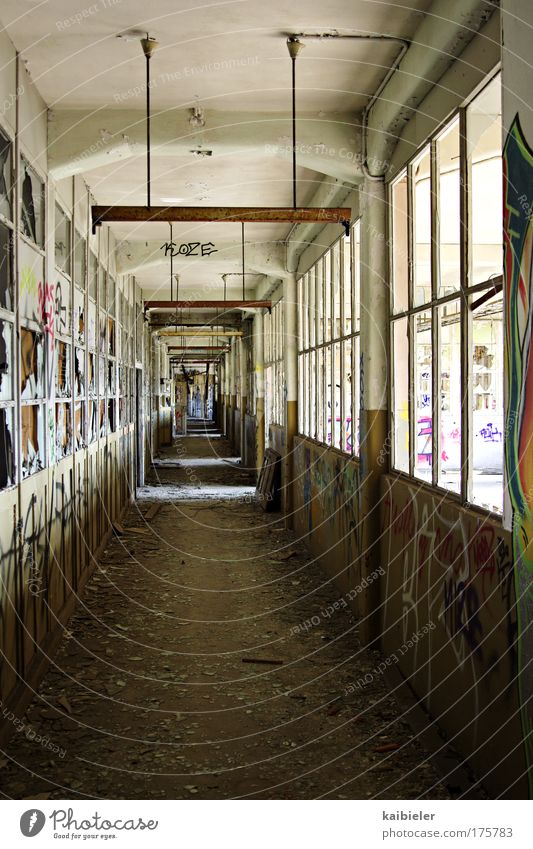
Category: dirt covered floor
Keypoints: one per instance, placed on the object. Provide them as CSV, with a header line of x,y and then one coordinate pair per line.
x,y
205,660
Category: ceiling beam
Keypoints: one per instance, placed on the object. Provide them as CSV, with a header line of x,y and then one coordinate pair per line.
x,y
245,214
201,333
195,348
185,305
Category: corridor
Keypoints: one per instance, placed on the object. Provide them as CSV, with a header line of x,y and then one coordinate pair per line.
x,y
266,382
196,664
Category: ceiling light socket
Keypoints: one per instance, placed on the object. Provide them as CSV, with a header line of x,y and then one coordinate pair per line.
x,y
149,45
294,46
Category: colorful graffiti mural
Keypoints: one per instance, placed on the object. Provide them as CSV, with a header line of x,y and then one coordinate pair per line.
x,y
518,282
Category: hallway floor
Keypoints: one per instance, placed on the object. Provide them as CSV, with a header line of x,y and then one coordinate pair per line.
x,y
188,672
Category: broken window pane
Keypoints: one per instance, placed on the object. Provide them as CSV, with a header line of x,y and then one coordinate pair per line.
x,y
6,267
32,422
111,295
91,422
91,376
7,464
111,337
79,424
62,240
102,417
79,372
79,316
31,365
32,215
6,358
62,370
62,305
102,333
6,177
63,430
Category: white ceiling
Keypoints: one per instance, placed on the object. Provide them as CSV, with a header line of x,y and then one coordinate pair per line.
x,y
231,55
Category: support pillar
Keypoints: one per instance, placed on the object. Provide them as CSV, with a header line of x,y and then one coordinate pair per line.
x,y
290,349
259,372
374,374
232,393
244,398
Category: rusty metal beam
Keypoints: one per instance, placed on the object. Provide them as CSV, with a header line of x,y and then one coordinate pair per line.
x,y
246,214
198,347
195,334
185,305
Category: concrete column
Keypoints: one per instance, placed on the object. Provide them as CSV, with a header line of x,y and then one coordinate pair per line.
x,y
259,371
232,392
373,381
244,397
290,351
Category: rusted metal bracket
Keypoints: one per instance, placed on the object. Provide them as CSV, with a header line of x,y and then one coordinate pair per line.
x,y
202,214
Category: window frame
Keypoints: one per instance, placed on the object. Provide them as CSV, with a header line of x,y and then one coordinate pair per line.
x,y
464,297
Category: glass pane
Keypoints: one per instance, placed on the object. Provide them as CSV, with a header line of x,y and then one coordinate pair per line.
x,y
422,228
6,177
356,265
356,395
347,426
400,252
450,396
312,309
312,394
338,424
102,286
336,289
319,308
6,268
79,261
32,210
347,283
449,221
400,402
487,392
423,401
320,395
484,133
93,276
328,397
62,240
326,270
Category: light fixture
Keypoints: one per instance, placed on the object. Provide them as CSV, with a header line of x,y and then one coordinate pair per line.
x,y
197,117
149,46
171,200
294,46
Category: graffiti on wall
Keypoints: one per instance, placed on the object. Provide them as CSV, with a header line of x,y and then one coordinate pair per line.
x,y
455,569
518,283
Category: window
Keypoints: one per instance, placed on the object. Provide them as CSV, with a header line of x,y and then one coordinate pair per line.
x,y
447,308
6,178
328,332
62,241
274,368
32,393
32,196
